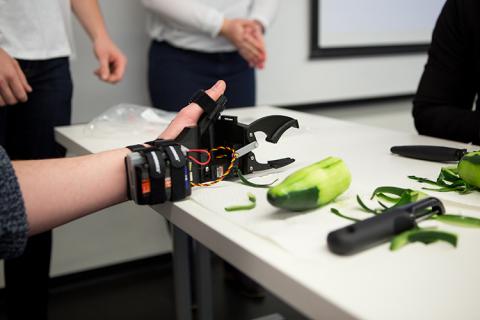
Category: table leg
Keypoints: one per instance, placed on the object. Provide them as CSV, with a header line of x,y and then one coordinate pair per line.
x,y
181,273
203,282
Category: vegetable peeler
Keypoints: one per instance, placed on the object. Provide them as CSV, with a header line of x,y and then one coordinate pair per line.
x,y
430,153
382,227
216,131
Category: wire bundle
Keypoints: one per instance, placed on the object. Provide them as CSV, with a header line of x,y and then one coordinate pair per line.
x,y
227,150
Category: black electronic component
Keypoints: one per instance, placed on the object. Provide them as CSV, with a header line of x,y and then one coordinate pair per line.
x,y
158,173
164,172
214,130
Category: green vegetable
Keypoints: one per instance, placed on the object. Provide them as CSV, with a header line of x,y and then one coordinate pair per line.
x,y
457,220
393,195
469,168
460,179
312,186
425,236
341,215
251,184
251,205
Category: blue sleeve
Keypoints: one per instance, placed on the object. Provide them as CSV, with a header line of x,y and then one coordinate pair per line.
x,y
13,219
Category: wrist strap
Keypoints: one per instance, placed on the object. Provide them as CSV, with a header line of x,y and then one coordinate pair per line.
x,y
136,147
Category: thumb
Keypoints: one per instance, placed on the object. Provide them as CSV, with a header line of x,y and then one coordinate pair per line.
x,y
104,70
190,114
217,90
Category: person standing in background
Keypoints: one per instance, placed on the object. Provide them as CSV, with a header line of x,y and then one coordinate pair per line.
x,y
36,93
195,42
447,103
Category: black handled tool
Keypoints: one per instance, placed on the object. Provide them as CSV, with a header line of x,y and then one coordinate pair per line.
x,y
380,228
430,153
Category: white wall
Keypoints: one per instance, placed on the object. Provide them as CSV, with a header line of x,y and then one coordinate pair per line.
x,y
291,78
124,233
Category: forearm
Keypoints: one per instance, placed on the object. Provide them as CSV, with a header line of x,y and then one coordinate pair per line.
x,y
447,122
89,15
189,15
57,191
264,11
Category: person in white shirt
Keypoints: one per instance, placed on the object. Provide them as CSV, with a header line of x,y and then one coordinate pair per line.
x,y
195,42
35,96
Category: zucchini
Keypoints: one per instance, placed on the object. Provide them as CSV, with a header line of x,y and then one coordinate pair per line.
x,y
469,168
312,186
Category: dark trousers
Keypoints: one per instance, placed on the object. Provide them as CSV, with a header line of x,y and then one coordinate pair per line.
x,y
26,132
174,75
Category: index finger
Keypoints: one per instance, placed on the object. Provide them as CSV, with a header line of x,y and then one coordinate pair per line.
x,y
18,89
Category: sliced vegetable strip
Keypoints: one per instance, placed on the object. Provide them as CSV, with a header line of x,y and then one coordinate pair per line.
x,y
251,205
252,184
341,215
425,236
458,220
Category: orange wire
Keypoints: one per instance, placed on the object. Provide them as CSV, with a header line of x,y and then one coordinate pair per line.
x,y
226,173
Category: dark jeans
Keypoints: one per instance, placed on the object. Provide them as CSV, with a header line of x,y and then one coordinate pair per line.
x,y
174,75
26,132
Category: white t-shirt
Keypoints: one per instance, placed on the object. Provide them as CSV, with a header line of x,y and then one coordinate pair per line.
x,y
36,29
195,24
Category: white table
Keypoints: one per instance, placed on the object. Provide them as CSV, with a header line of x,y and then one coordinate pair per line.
x,y
417,282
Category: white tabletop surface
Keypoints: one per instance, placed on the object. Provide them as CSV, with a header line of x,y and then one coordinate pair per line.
x,y
284,252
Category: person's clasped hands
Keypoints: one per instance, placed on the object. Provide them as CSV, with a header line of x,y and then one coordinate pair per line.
x,y
247,36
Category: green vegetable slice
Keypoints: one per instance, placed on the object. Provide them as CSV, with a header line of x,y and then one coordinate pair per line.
x,y
341,215
458,220
364,206
449,180
252,184
251,205
388,189
425,236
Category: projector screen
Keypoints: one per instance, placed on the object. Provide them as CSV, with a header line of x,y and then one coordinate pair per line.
x,y
352,27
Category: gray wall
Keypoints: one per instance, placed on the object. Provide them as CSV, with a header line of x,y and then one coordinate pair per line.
x,y
127,232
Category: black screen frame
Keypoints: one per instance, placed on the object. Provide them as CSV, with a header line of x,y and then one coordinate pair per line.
x,y
317,52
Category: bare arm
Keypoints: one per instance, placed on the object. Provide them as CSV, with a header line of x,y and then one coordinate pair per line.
x,y
111,59
57,191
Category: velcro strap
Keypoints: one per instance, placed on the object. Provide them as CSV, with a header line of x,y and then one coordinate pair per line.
x,y
156,167
204,101
175,154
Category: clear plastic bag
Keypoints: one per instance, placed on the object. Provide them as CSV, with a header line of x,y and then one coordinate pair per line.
x,y
127,120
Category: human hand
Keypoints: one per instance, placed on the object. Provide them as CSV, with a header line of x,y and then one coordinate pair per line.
x,y
254,36
112,61
190,114
14,86
242,33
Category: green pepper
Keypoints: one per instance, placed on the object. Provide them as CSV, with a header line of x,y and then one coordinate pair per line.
x,y
469,168
312,186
